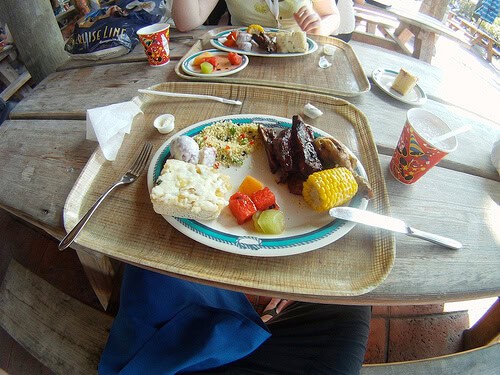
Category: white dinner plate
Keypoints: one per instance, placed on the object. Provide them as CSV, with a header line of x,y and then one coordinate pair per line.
x,y
218,42
224,69
305,229
384,79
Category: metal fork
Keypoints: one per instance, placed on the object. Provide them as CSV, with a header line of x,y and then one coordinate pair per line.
x,y
132,174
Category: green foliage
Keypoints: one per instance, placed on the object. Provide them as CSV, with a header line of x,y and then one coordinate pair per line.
x,y
492,29
465,9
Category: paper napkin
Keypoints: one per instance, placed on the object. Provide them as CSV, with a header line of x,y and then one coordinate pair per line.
x,y
108,125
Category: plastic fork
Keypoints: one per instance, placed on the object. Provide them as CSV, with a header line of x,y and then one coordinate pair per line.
x,y
132,175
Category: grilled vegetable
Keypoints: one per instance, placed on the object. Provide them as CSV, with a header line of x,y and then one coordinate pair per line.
x,y
329,188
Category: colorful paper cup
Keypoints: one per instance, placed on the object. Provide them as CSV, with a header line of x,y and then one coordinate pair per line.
x,y
414,154
155,39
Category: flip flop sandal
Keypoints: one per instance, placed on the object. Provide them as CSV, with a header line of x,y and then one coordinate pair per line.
x,y
271,313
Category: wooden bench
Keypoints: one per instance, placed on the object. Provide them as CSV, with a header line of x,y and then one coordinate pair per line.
x,y
68,336
15,83
376,30
474,35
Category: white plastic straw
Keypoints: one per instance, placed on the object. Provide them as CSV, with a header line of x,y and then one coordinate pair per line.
x,y
445,136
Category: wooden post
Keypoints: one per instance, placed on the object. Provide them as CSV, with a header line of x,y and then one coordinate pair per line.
x,y
36,35
434,8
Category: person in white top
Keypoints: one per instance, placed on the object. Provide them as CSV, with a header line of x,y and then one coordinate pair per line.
x,y
347,19
312,16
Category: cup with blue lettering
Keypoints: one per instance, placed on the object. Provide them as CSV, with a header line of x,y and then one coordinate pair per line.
x,y
155,40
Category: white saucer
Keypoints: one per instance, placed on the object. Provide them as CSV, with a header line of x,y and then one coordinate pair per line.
x,y
384,78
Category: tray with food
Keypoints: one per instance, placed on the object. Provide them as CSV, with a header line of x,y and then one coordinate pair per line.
x,y
255,40
209,182
257,232
330,66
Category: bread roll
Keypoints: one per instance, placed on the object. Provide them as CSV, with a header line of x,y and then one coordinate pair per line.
x,y
291,42
404,82
191,191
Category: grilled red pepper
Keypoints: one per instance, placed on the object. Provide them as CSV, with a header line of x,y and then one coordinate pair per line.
x,y
264,199
241,207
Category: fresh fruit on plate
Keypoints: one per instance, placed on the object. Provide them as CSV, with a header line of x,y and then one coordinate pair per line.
x,y
206,67
256,205
231,39
250,185
201,58
241,207
264,199
255,29
269,221
234,58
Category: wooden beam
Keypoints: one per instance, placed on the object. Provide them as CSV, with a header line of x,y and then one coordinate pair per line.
x,y
486,330
15,86
39,41
62,333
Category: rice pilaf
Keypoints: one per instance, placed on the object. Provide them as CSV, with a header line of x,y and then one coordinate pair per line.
x,y
233,142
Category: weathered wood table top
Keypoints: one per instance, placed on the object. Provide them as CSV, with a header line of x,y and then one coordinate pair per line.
x,y
43,150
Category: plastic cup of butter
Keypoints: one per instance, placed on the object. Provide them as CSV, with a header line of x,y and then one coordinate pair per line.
x,y
164,123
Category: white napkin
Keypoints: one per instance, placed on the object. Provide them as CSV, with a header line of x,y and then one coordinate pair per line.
x,y
108,125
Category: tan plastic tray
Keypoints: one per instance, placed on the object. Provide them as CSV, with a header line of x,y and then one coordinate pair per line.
x,y
125,227
344,78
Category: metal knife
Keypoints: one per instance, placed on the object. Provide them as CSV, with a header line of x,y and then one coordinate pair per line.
x,y
392,224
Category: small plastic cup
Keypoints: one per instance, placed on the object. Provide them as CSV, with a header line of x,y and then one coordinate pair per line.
x,y
414,154
155,40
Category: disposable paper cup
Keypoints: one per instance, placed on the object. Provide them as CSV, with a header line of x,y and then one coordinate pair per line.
x,y
414,155
155,39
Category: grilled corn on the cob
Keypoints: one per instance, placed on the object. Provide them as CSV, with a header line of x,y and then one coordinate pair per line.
x,y
329,188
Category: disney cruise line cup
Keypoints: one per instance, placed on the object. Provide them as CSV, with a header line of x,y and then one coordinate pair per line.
x,y
415,153
155,40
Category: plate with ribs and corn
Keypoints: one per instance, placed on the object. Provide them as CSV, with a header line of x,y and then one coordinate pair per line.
x,y
256,185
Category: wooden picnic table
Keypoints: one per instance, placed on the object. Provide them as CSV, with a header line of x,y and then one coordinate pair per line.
x,y
474,35
424,28
43,151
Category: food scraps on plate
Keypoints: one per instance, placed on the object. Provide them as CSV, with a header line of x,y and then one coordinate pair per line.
x,y
210,63
255,36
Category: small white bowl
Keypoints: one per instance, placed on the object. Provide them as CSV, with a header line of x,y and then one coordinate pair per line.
x,y
164,123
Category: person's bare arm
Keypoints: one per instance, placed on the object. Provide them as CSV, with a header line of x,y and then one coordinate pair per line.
x,y
323,19
189,14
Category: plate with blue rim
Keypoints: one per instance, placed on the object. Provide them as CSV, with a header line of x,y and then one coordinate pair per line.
x,y
224,68
218,40
305,229
384,78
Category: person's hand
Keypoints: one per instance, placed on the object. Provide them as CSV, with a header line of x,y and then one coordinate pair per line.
x,y
308,20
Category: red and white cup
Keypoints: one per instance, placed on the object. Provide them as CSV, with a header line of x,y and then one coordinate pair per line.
x,y
155,40
415,153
